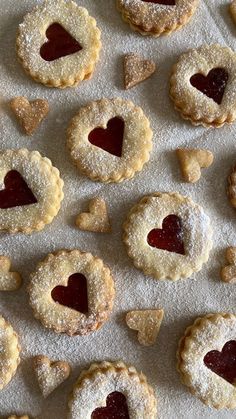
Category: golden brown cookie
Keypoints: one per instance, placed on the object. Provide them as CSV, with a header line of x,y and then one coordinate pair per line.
x,y
58,44
228,273
116,384
97,219
203,86
157,17
29,114
9,354
136,69
147,323
232,187
192,161
50,374
9,281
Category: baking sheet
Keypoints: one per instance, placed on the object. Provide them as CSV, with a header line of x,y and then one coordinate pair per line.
x,y
182,301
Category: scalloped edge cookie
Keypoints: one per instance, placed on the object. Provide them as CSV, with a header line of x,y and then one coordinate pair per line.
x,y
10,352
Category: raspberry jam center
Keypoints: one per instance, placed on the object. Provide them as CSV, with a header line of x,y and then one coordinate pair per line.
x,y
116,408
223,363
75,295
170,237
16,192
109,139
213,85
60,43
165,2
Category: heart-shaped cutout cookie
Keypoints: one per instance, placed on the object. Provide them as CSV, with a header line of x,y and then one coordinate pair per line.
x,y
136,69
60,43
223,363
163,2
16,192
116,408
29,114
213,85
147,323
96,220
170,237
50,374
9,281
110,138
75,295
228,273
192,161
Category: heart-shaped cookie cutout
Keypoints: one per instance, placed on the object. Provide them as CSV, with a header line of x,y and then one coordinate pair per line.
x,y
96,220
192,161
147,323
60,43
29,114
116,407
228,273
170,237
16,192
50,374
213,85
9,281
223,363
110,138
75,295
136,69
163,2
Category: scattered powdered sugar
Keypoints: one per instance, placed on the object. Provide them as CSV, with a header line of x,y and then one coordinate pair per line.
x,y
182,301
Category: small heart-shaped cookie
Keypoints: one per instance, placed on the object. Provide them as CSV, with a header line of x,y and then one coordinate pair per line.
x,y
147,323
29,114
9,281
50,374
96,220
136,69
228,273
191,162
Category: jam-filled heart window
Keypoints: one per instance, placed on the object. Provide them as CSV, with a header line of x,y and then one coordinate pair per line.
x,y
213,84
170,237
60,43
116,408
75,295
110,138
223,363
163,2
16,192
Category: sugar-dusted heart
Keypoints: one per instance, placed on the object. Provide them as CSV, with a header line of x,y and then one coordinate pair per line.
x,y
170,237
60,43
116,408
213,85
29,114
136,69
16,192
147,323
228,273
50,374
110,138
164,2
192,160
223,363
9,281
96,219
75,295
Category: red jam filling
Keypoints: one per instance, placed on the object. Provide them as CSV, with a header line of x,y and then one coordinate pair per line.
x,y
116,408
165,2
223,363
75,295
60,43
16,192
213,85
170,237
109,139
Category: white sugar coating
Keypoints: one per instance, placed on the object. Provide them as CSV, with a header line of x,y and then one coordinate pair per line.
x,y
182,301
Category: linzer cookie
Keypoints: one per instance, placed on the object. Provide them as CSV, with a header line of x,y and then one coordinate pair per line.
x,y
207,360
110,140
168,236
58,43
29,114
203,86
156,17
72,292
9,354
31,191
112,390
